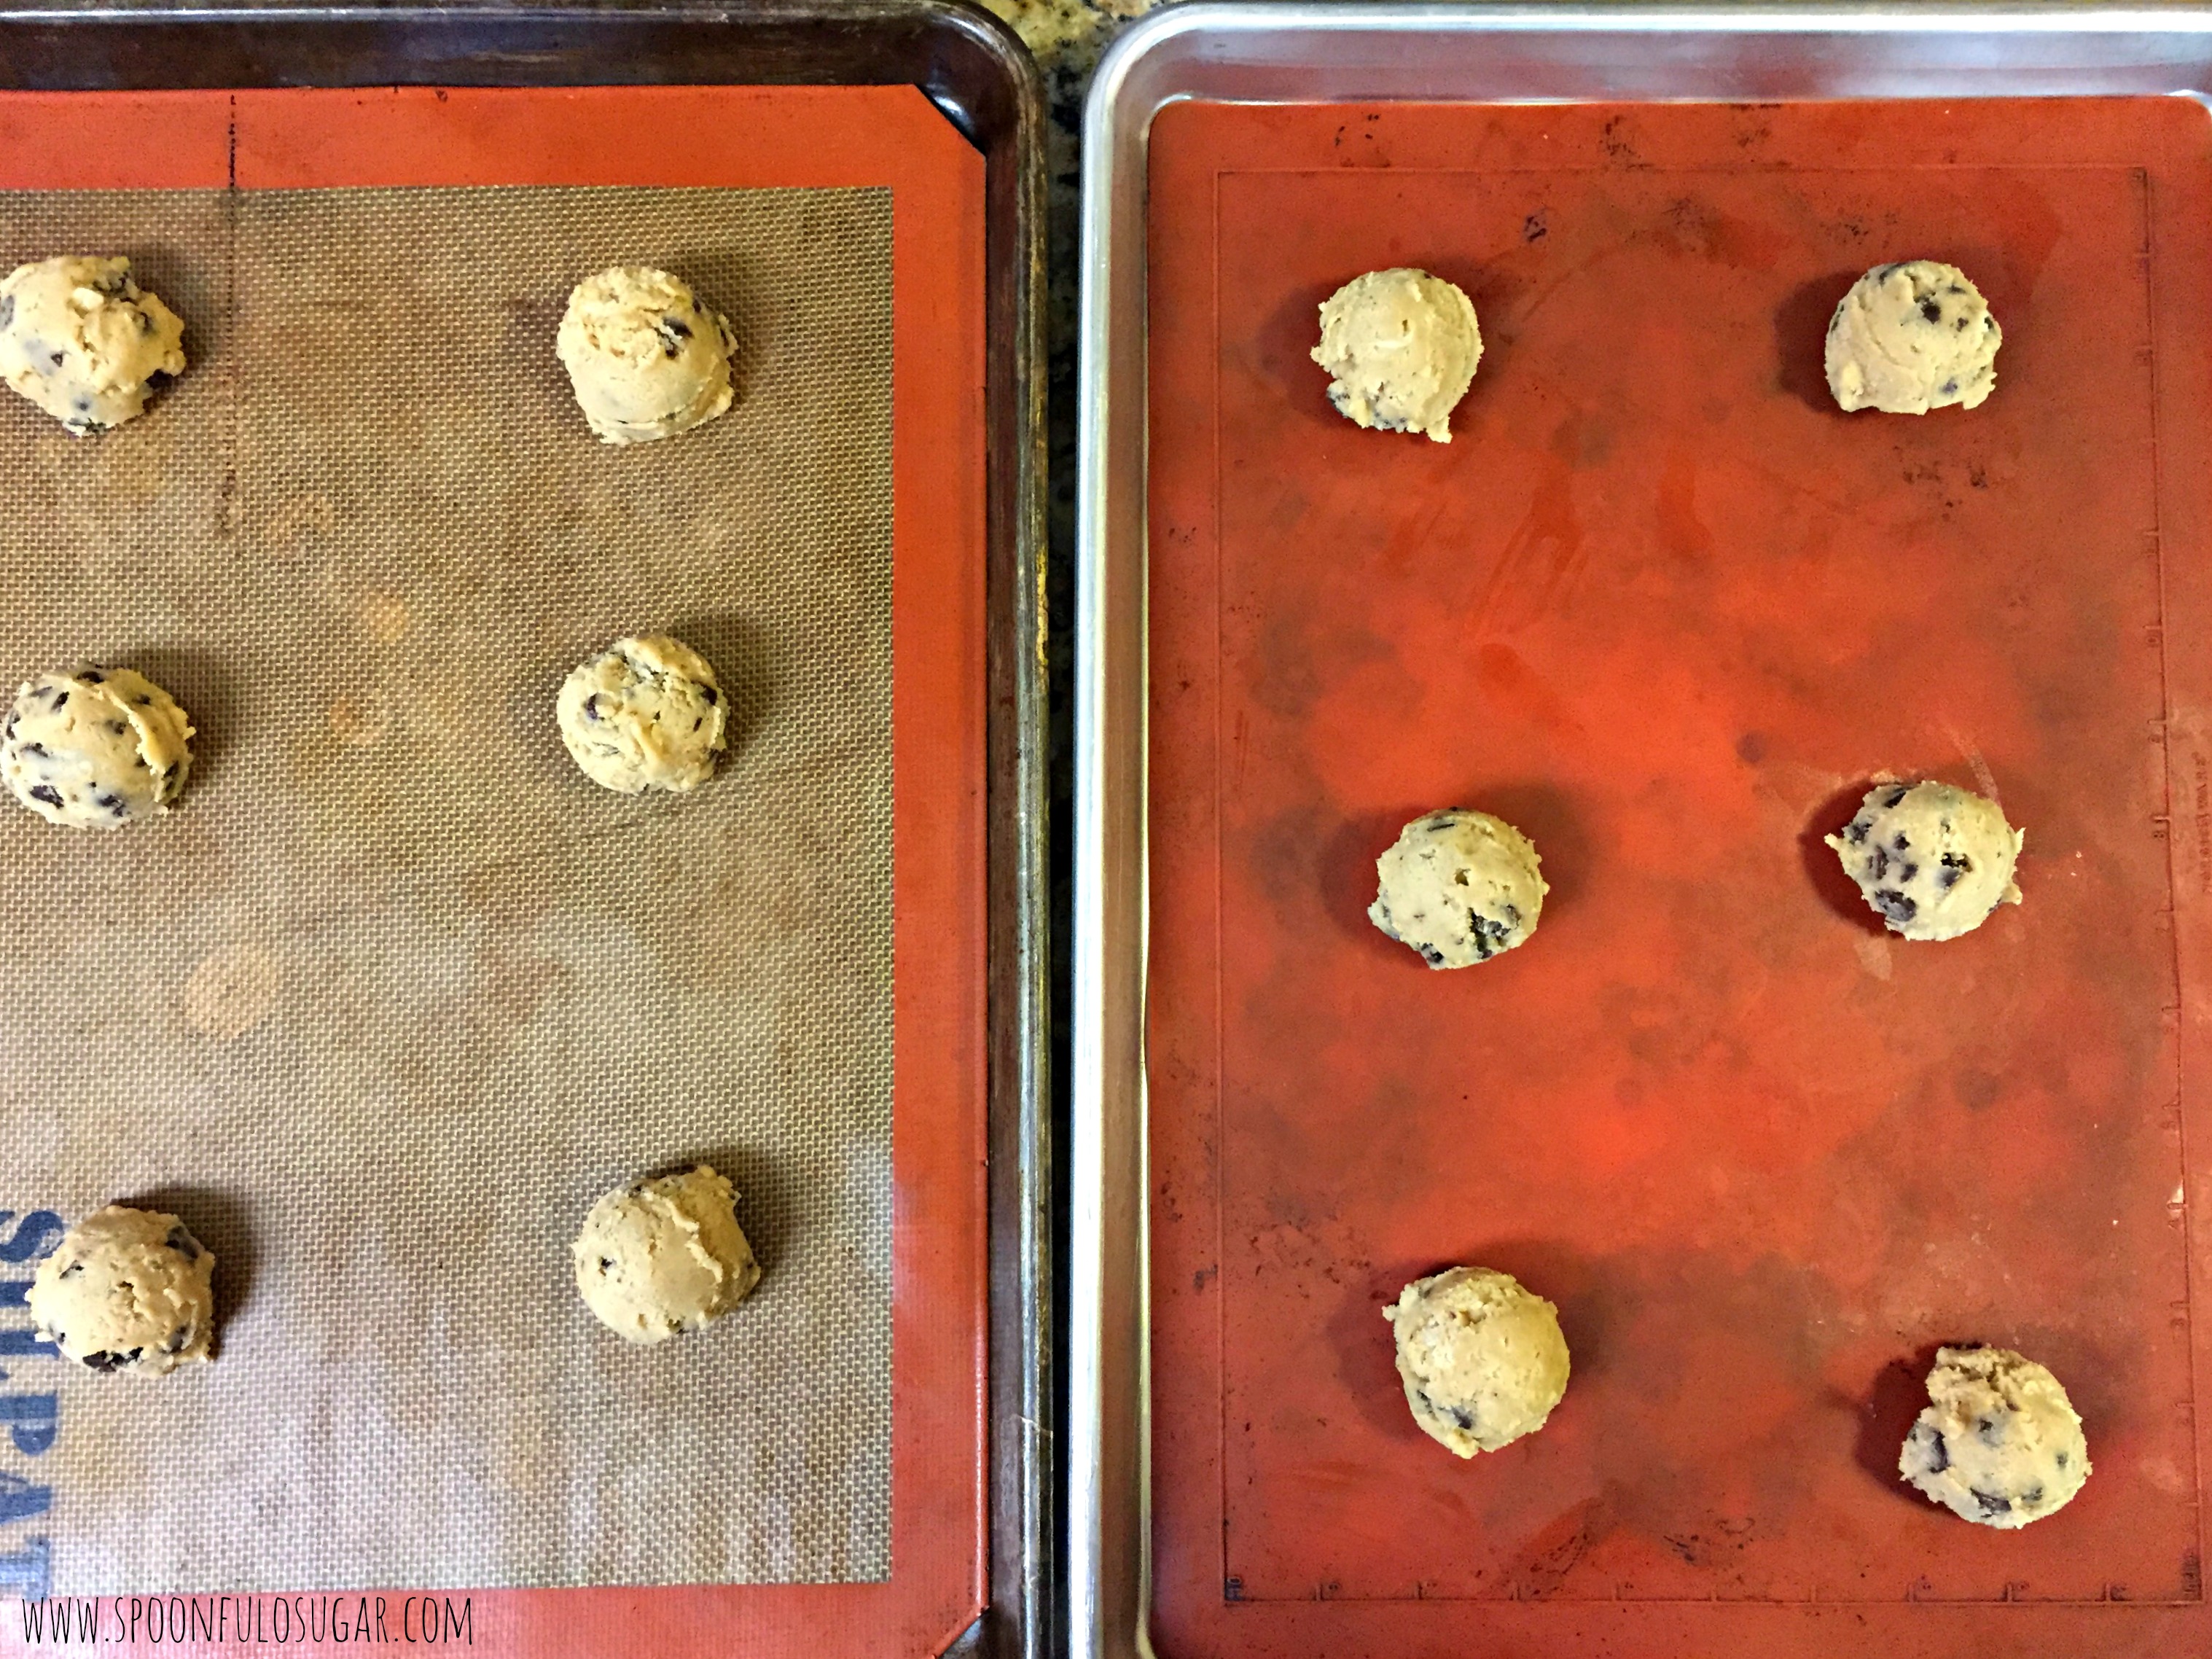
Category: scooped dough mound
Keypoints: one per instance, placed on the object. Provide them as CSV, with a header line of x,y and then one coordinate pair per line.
x,y
127,1290
1932,861
1483,1359
645,358
663,1256
1999,1443
1911,338
1400,347
95,748
1459,886
645,714
83,342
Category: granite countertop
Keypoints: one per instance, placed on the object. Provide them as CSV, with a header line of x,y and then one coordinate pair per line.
x,y
1067,38
1068,35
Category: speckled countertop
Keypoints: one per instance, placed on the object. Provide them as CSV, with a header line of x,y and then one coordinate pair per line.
x,y
1067,38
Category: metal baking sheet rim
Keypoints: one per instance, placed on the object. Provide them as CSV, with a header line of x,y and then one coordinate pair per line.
x,y
981,77
1276,52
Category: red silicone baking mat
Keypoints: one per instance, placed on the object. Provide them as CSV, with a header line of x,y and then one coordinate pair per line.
x,y
1663,606
930,664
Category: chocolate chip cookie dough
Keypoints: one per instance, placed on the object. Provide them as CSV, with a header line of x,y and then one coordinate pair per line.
x,y
97,749
2000,1444
1483,1359
644,714
645,358
1911,338
1400,347
1933,861
85,342
659,1257
127,1290
1459,886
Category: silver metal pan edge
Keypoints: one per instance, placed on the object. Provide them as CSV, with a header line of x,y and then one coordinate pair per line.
x,y
1301,52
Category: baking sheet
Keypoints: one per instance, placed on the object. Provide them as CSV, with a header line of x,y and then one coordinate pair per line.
x,y
398,992
1664,607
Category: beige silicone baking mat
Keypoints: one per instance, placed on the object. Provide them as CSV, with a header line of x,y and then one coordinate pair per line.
x,y
398,992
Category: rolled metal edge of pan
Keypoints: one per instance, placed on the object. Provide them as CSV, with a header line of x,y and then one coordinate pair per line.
x,y
983,78
1288,51
1004,115
979,75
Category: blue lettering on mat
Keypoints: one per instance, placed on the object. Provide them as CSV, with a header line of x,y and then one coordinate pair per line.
x,y
21,1499
29,1572
35,1235
32,1419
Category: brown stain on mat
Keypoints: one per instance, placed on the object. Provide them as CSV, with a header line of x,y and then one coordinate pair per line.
x,y
1681,531
231,990
1534,573
360,722
1699,230
385,617
291,526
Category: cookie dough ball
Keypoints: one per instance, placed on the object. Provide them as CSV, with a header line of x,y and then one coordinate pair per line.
x,y
127,1290
2000,1444
645,358
645,714
1459,886
95,748
1933,861
1400,347
1482,1358
83,342
1911,338
659,1257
